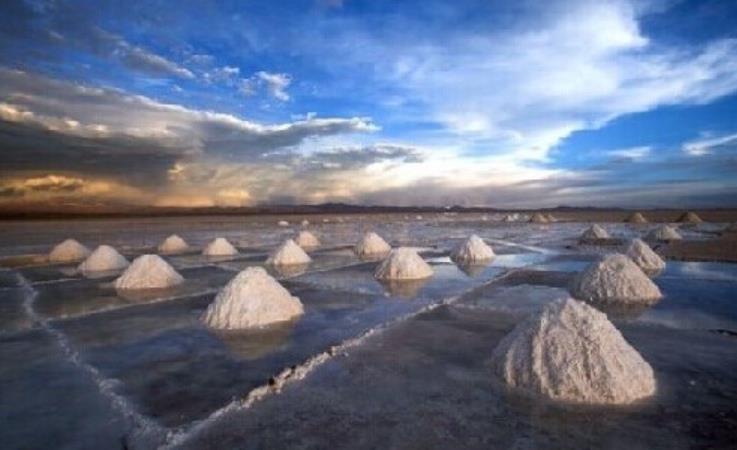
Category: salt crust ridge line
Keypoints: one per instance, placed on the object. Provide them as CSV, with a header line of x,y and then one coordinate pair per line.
x,y
142,429
299,372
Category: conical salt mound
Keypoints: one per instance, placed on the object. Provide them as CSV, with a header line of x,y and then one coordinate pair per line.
x,y
172,245
104,258
288,253
252,299
594,233
644,257
69,251
664,233
472,251
371,244
403,264
220,247
283,223
305,239
636,218
508,218
538,218
148,272
570,352
305,223
615,280
689,217
550,218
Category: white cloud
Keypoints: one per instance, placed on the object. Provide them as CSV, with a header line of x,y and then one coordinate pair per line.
x,y
276,84
707,144
633,153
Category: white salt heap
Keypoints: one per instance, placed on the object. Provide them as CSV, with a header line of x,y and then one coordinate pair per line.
x,y
664,233
148,272
288,253
305,239
283,223
371,244
636,218
595,232
403,264
472,251
305,223
644,257
252,299
538,218
690,217
104,258
172,245
220,247
550,218
570,352
615,279
69,251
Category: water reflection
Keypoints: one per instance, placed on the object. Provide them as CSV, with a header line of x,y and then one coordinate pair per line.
x,y
256,343
290,270
403,288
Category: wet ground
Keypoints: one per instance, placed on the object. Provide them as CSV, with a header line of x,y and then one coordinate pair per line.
x,y
402,365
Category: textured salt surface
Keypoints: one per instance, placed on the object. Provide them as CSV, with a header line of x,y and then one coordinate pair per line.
x,y
664,233
173,245
305,239
570,352
220,247
104,258
148,272
472,251
68,251
370,245
287,254
641,253
252,299
595,232
615,279
403,264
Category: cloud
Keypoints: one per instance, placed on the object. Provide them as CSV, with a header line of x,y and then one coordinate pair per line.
x,y
276,84
631,153
708,144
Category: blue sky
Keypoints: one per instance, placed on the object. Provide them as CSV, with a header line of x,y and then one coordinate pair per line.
x,y
507,104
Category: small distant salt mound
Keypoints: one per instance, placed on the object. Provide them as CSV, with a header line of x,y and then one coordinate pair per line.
x,y
550,218
595,232
148,272
305,239
68,251
252,299
538,218
371,244
615,279
664,233
570,352
472,251
732,228
173,244
508,218
305,223
636,218
288,253
283,223
219,247
644,257
403,264
104,258
418,217
689,217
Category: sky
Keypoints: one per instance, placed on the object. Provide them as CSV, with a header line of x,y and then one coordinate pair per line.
x,y
475,103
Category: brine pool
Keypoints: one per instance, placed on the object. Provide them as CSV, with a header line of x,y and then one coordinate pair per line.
x,y
369,364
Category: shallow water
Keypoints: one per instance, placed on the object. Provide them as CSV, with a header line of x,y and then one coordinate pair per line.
x,y
85,366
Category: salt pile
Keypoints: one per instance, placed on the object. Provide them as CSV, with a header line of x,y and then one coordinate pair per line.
x,y
305,239
288,253
472,251
644,257
570,352
69,251
219,247
636,218
172,245
689,217
550,218
595,232
104,258
148,272
252,299
538,218
283,223
616,280
403,264
305,223
507,218
664,233
371,244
